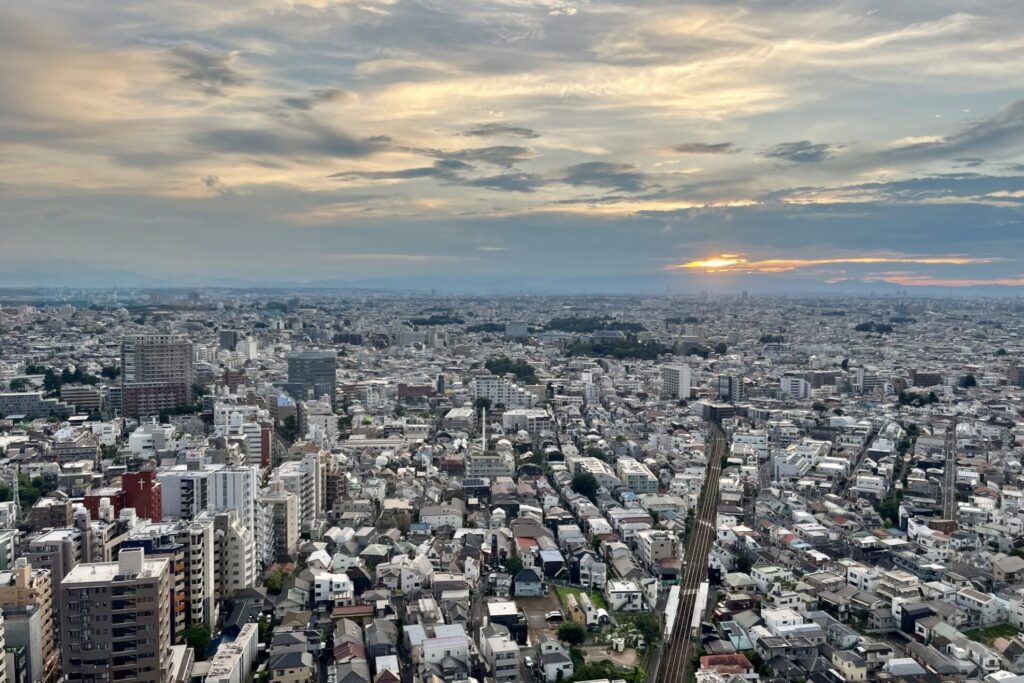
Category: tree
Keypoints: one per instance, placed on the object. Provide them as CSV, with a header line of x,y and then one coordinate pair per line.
x,y
51,382
19,384
968,381
1001,352
289,430
275,581
513,565
586,484
110,372
482,403
845,365
198,637
649,627
721,348
572,633
819,407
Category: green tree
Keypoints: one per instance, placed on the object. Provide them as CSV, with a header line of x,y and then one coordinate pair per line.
x,y
110,372
289,429
19,384
572,633
586,484
275,581
51,382
198,637
513,565
968,381
649,627
721,348
482,403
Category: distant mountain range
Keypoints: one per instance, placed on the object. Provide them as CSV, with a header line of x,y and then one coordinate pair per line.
x,y
647,283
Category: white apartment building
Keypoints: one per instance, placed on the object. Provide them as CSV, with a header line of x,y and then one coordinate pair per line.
x,y
795,387
531,420
235,488
499,390
675,381
636,476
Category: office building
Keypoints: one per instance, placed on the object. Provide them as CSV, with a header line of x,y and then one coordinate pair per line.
x,y
115,621
312,374
156,373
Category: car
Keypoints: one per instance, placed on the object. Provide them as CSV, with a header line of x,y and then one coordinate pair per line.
x,y
529,662
554,615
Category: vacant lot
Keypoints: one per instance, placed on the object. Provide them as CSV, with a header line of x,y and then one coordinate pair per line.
x,y
535,609
565,591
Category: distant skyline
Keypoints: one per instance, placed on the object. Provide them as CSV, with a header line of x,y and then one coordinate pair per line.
x,y
778,145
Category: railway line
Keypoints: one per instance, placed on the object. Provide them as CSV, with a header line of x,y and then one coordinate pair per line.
x,y
675,663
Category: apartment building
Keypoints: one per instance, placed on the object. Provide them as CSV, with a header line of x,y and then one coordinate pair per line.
x,y
24,588
156,373
115,622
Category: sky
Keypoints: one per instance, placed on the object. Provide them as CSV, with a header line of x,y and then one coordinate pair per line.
x,y
758,144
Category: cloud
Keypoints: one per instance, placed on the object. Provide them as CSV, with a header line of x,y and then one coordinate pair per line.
x,y
443,169
624,177
706,148
508,182
505,156
494,129
312,140
213,73
1001,133
801,151
317,97
730,263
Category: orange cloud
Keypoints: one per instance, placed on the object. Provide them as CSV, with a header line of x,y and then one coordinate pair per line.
x,y
736,263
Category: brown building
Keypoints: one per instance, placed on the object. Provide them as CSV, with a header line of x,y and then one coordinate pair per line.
x,y
156,373
23,587
115,622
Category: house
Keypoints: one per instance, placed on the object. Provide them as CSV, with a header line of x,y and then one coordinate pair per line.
x,y
292,667
501,652
624,595
553,660
732,667
528,584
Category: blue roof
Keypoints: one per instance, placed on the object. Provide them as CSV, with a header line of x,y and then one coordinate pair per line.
x,y
551,556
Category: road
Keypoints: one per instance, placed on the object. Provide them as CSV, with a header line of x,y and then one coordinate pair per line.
x,y
844,486
675,663
949,474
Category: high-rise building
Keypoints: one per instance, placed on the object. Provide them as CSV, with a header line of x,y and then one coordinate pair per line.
x,y
156,373
675,381
24,593
235,488
115,622
184,492
229,339
312,374
235,554
280,533
3,649
730,388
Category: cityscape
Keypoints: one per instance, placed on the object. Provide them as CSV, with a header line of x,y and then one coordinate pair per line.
x,y
229,486
512,341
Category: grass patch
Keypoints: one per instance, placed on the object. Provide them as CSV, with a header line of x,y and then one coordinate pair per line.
x,y
595,597
988,634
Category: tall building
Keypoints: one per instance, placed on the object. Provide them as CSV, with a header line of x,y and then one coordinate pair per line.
x,y
235,488
279,540
115,621
156,373
235,555
26,597
675,381
184,492
229,339
730,388
3,649
312,374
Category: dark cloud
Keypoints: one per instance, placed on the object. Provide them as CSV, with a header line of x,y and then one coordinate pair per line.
x,y
624,177
444,169
505,156
1001,133
213,183
964,186
452,172
706,148
211,72
308,141
508,182
970,162
492,129
316,97
801,151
